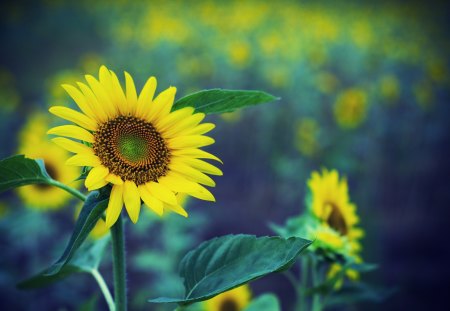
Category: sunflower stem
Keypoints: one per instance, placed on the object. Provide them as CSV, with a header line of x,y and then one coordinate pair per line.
x,y
70,190
104,288
316,303
119,264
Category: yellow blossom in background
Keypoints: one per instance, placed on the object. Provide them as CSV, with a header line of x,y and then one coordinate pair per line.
x,y
239,53
137,144
234,300
326,82
330,204
306,136
89,62
33,144
231,117
100,229
390,88
350,108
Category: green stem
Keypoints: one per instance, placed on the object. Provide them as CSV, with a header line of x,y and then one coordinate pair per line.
x,y
104,288
71,190
316,304
301,290
119,271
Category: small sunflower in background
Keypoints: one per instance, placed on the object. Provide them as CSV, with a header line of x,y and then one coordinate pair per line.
x,y
350,108
331,206
137,144
33,145
234,300
336,228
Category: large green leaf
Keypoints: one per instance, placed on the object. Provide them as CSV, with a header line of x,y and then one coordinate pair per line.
x,y
266,302
86,259
91,212
224,263
219,100
17,171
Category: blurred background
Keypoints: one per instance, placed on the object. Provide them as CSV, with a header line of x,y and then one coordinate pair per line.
x,y
364,90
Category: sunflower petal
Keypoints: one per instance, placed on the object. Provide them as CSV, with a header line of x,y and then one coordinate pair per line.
x,y
162,104
178,183
150,201
195,141
202,166
102,96
74,116
119,96
161,193
100,113
145,97
185,124
72,146
199,129
84,160
174,118
192,173
80,100
130,93
95,176
72,131
114,206
177,209
114,179
196,153
132,200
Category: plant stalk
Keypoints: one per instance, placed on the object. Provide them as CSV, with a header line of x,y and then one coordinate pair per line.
x,y
70,190
119,265
104,288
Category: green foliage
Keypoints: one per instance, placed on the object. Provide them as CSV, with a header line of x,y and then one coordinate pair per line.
x,y
223,263
266,302
91,212
86,259
17,171
220,101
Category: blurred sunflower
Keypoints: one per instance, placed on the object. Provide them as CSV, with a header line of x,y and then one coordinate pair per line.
x,y
234,300
137,144
331,206
350,108
33,145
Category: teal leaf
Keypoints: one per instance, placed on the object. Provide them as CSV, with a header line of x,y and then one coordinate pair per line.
x,y
220,101
91,212
223,263
17,171
266,302
86,259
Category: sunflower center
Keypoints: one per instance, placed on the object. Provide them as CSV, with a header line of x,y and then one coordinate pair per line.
x,y
336,220
132,149
229,305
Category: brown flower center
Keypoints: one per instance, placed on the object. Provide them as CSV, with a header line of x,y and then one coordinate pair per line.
x,y
336,220
229,305
132,149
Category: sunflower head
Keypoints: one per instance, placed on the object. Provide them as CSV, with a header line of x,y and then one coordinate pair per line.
x,y
33,146
234,300
136,143
336,218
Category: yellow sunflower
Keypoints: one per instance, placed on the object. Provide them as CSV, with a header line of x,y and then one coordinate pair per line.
x,y
350,108
331,205
33,145
136,143
234,300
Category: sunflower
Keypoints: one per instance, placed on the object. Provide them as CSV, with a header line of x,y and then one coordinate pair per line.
x,y
137,144
32,145
331,206
234,300
350,108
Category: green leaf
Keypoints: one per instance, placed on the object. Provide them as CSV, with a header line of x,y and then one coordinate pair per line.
x,y
17,171
91,212
223,263
219,100
266,302
86,259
